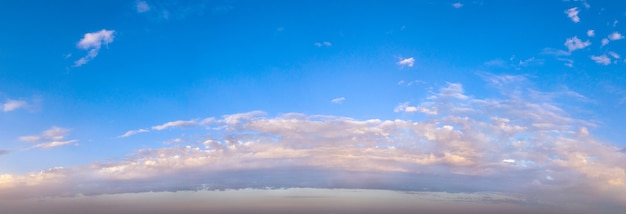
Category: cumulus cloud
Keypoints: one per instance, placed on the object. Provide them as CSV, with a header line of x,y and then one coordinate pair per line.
x,y
142,6
338,100
53,137
92,42
457,5
133,132
572,13
575,43
12,105
178,123
591,33
602,59
514,144
615,36
406,62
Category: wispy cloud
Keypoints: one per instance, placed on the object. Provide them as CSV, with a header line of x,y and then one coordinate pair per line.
x,y
406,62
323,44
4,152
575,43
12,105
338,100
602,59
133,132
142,6
615,36
605,42
572,13
457,5
178,123
53,137
591,33
614,55
92,42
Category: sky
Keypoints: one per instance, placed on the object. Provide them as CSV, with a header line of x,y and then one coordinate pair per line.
x,y
230,106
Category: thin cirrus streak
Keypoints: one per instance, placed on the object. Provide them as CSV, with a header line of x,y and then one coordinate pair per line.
x,y
526,147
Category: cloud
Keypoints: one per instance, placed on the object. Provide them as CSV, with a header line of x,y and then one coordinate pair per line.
x,y
406,61
53,137
572,13
457,5
178,123
338,100
177,10
615,36
4,152
323,44
12,105
425,108
142,7
54,144
516,144
555,52
605,41
591,33
92,42
575,43
614,55
602,59
133,132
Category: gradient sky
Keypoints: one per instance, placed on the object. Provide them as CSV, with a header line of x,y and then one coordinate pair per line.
x,y
483,106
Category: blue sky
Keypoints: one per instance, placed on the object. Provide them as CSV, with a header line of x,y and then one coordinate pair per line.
x,y
528,96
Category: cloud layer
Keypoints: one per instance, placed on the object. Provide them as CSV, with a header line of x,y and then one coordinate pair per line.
x,y
518,145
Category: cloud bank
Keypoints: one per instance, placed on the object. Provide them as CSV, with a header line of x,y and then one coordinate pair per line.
x,y
521,144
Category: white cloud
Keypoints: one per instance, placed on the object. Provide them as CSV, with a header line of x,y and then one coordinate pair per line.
x,y
602,59
338,100
457,5
133,132
323,44
575,43
591,33
54,144
178,123
93,42
425,108
50,138
12,105
615,36
614,55
406,61
410,109
572,13
605,41
142,7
